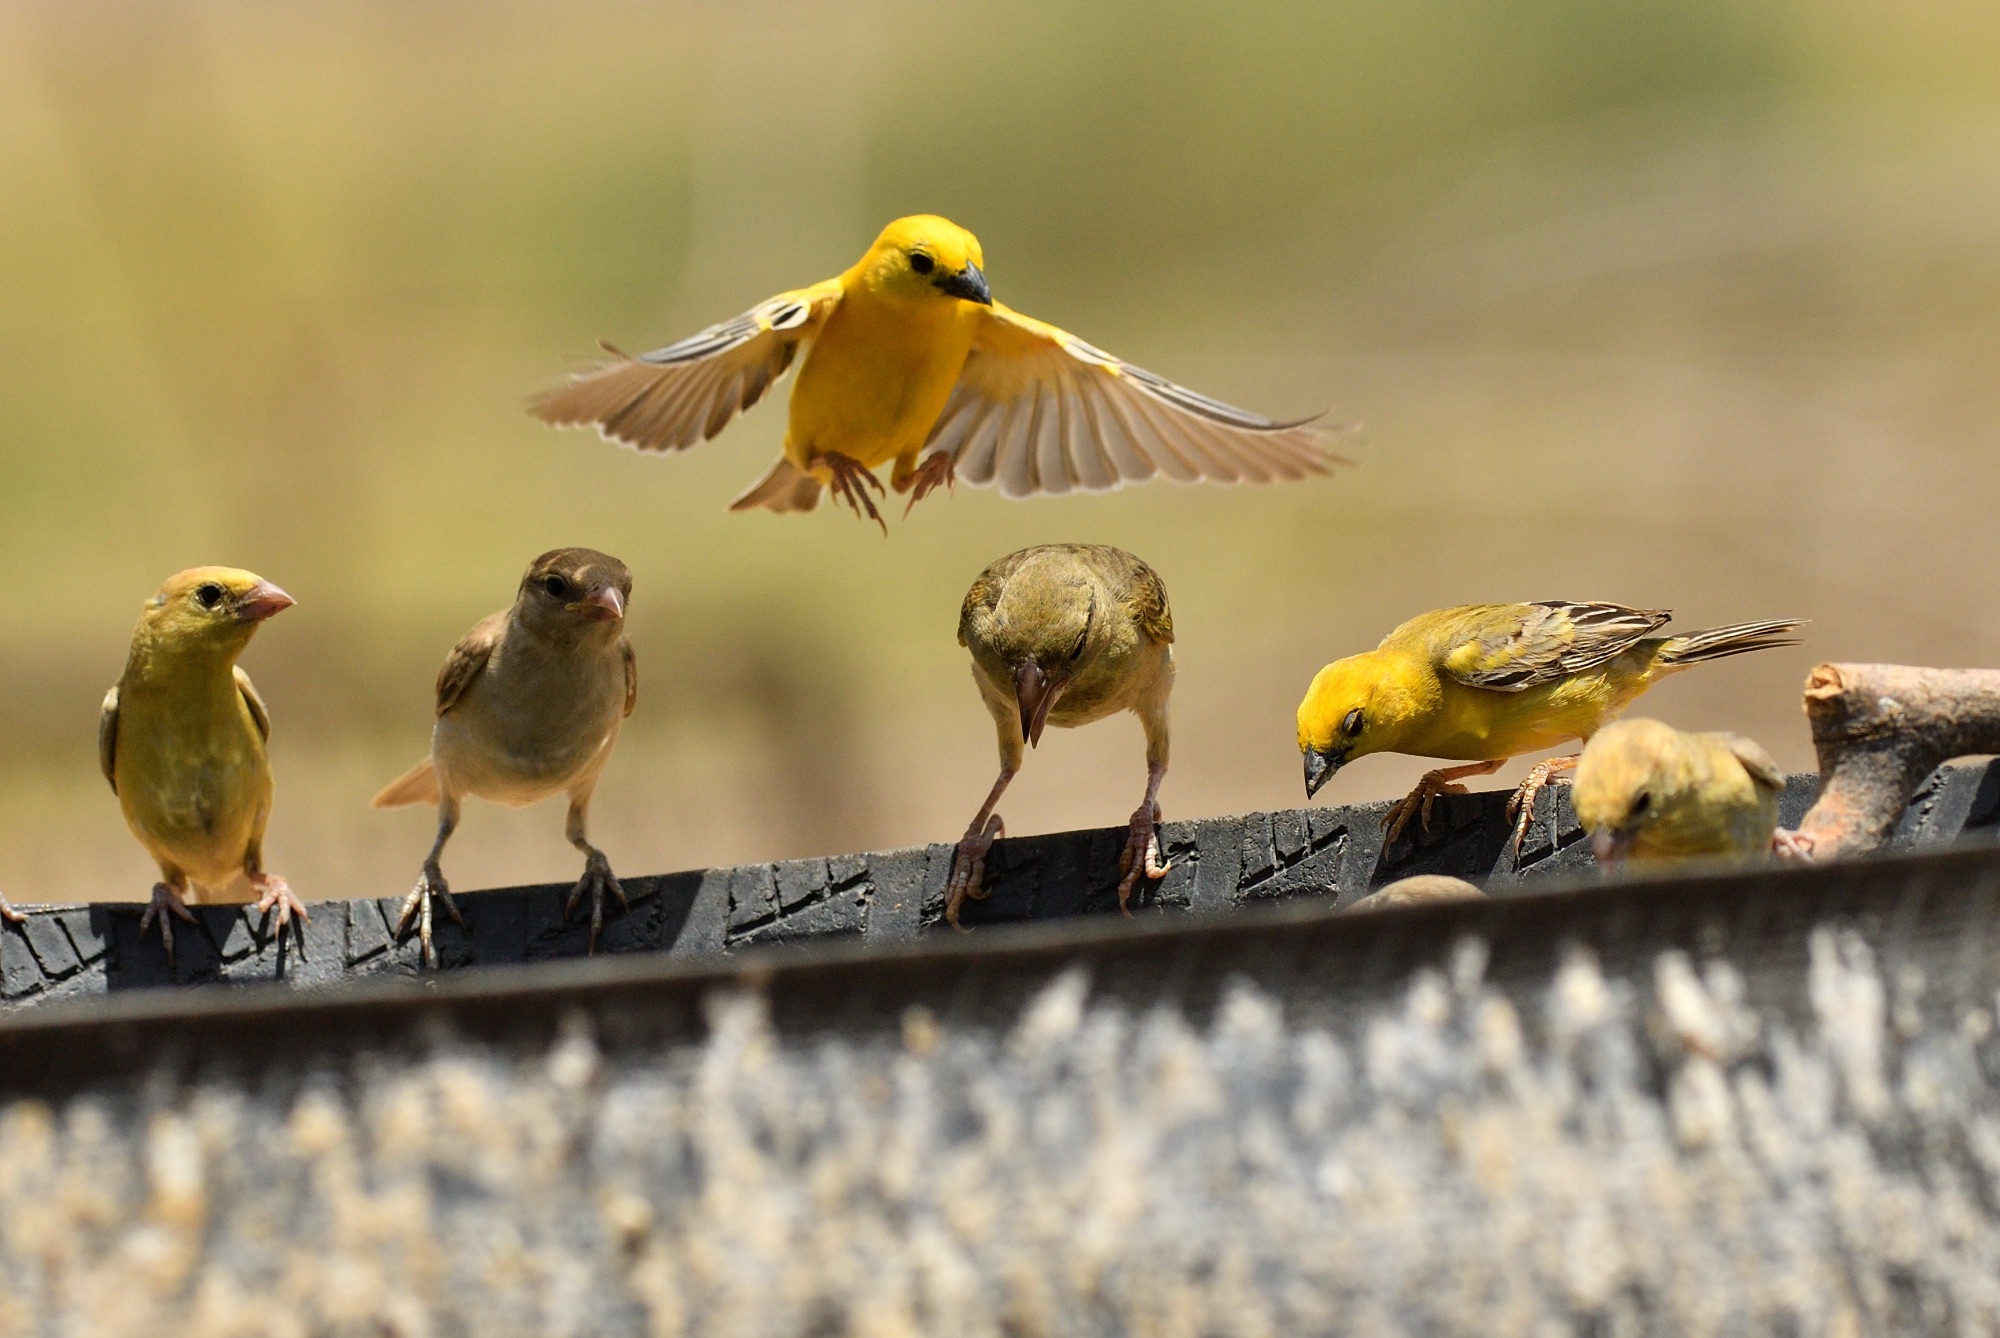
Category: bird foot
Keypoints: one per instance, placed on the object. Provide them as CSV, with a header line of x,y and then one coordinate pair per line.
x,y
968,867
276,895
851,482
937,468
417,907
597,880
166,907
1141,854
1792,847
1418,804
7,911
1521,804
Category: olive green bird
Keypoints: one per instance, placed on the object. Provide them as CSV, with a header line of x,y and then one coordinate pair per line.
x,y
1063,635
529,704
182,739
1647,791
1487,682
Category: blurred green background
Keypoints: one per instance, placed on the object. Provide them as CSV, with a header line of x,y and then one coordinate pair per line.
x,y
1665,302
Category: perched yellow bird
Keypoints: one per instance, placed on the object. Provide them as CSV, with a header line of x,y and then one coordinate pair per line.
x,y
181,739
529,704
1487,682
1648,791
1063,635
908,355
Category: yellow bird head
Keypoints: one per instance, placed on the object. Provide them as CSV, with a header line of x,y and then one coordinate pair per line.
x,y
574,588
1354,707
211,608
925,258
1631,773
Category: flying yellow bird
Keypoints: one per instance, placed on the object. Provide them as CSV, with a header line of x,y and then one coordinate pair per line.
x,y
1648,791
181,739
909,356
1487,682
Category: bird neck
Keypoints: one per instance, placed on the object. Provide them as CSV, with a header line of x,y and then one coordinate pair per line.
x,y
180,659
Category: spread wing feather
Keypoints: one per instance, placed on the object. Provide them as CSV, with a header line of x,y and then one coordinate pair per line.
x,y
1038,410
673,397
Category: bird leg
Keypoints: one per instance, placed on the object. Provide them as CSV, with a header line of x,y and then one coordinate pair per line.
x,y
851,482
968,861
167,905
276,894
597,876
939,467
1418,802
1521,805
7,911
1142,841
431,886
1792,847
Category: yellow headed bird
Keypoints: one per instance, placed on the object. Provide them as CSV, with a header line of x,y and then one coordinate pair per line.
x,y
181,739
1487,682
909,356
1063,635
1646,790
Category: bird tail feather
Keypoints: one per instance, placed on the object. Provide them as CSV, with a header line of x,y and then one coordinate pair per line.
x,y
418,785
785,488
1720,642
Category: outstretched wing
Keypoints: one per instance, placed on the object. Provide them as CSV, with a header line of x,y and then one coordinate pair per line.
x,y
673,397
1038,410
1509,647
467,660
259,713
107,737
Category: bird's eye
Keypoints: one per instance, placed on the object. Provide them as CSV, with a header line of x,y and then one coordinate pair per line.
x,y
921,263
556,586
1642,803
1352,724
208,594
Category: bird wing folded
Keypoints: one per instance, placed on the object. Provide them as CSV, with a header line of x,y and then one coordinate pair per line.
x,y
631,659
107,737
1510,647
1038,410
673,397
468,660
1762,767
259,713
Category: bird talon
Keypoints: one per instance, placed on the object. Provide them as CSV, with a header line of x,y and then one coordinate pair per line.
x,y
7,911
165,906
937,468
597,880
968,868
418,907
1792,847
851,482
1141,855
277,895
1521,804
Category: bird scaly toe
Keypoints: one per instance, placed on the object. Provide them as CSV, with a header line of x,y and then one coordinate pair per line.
x,y
1141,854
165,908
937,468
276,894
1792,847
430,887
597,880
968,867
851,482
1418,804
1521,804
7,911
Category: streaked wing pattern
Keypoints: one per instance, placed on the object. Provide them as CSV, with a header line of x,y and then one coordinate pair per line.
x,y
673,397
1039,410
1551,639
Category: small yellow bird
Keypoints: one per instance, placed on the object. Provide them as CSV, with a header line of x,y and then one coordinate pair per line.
x,y
1490,681
529,705
1063,635
182,737
909,353
1648,791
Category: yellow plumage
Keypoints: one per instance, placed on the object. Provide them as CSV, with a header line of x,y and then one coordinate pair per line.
x,y
181,739
1486,682
907,359
1646,790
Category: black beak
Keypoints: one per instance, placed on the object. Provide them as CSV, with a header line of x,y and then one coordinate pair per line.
x,y
1319,769
968,283
1036,693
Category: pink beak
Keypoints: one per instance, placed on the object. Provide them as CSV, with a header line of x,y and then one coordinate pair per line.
x,y
605,605
263,600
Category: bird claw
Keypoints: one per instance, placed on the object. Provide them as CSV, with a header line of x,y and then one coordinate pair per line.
x,y
7,911
1141,854
1418,804
937,468
430,887
166,906
277,895
851,482
1792,847
597,880
1521,804
968,867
